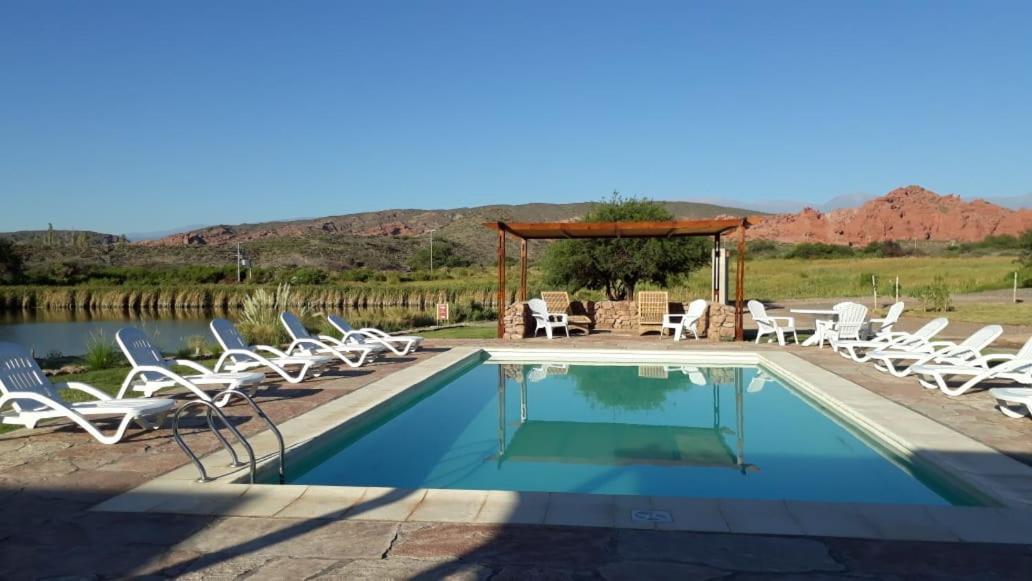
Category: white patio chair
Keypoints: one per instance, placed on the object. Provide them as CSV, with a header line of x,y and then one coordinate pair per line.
x,y
238,356
1016,367
33,398
1013,402
901,363
545,320
860,351
885,323
304,343
372,337
766,325
689,320
151,372
847,326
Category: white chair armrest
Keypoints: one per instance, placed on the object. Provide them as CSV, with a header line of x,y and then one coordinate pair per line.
x,y
77,386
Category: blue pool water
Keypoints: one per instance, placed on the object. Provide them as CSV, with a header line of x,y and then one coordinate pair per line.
x,y
717,432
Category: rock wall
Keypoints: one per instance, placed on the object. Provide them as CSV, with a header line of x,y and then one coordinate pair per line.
x,y
616,315
518,322
720,323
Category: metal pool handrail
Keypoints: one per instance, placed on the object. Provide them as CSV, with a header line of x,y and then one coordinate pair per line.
x,y
211,408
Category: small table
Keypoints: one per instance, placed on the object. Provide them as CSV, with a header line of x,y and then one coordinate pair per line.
x,y
816,338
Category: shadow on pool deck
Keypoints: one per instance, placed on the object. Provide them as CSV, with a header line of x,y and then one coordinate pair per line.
x,y
45,533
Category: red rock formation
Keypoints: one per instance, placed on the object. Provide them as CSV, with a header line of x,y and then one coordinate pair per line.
x,y
910,213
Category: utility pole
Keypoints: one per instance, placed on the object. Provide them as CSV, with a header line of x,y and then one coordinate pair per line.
x,y
238,262
432,253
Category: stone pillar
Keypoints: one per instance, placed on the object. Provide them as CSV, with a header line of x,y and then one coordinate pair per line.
x,y
721,323
517,321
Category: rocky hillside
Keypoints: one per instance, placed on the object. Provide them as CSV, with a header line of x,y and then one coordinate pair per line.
x,y
910,213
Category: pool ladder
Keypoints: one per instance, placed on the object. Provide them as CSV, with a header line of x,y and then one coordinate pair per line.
x,y
213,410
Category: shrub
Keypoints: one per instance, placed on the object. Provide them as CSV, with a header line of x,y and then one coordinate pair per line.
x,y
819,250
259,316
101,353
935,296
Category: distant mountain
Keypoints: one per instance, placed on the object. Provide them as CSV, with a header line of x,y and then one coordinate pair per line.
x,y
909,213
405,226
156,234
78,238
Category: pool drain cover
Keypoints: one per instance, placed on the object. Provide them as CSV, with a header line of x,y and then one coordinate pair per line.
x,y
651,516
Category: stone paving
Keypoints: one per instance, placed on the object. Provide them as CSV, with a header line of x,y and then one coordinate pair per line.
x,y
48,478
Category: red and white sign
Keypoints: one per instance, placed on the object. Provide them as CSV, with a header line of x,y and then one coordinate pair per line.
x,y
442,311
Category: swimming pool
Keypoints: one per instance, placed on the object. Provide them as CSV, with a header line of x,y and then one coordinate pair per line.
x,y
660,429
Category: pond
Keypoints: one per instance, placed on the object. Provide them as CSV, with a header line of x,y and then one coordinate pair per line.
x,y
68,332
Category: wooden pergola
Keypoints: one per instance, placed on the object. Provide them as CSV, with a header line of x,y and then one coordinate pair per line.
x,y
524,231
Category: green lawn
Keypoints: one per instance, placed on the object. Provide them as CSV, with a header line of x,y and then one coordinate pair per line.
x,y
469,332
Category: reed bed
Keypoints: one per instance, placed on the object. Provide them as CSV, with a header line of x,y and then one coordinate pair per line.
x,y
232,297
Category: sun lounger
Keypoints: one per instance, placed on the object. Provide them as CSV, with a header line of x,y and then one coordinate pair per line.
x,y
860,351
1013,402
151,372
375,338
304,343
1015,367
900,362
239,356
33,398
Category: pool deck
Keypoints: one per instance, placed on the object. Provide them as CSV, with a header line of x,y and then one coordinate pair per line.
x,y
51,478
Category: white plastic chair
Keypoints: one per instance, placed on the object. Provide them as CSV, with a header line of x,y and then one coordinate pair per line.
x,y
860,351
901,363
151,372
848,324
239,356
33,398
372,337
304,343
766,325
886,323
545,320
688,320
1015,367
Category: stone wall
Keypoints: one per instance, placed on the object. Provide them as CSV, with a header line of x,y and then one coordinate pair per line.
x,y
616,315
518,322
720,323
622,316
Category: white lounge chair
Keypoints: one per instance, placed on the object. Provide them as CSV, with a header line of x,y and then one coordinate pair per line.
x,y
900,363
1015,367
151,372
766,325
545,320
33,398
860,351
848,324
372,337
1013,402
238,356
304,343
886,323
689,320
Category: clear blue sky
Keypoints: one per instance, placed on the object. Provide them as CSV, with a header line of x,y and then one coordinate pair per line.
x,y
132,116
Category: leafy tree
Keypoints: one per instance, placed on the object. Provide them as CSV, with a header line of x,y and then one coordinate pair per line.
x,y
1025,244
618,265
818,250
446,254
12,266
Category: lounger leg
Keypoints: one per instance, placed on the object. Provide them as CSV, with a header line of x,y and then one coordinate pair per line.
x,y
1012,410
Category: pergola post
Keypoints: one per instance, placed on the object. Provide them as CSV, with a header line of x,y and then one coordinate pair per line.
x,y
718,276
740,286
501,280
523,270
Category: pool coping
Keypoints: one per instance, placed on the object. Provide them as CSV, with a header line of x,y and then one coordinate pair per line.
x,y
1004,479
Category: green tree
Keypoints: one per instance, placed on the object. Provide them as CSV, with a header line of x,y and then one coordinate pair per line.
x,y
446,254
618,265
12,266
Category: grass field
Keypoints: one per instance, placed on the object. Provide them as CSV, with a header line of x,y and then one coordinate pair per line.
x,y
850,277
468,332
